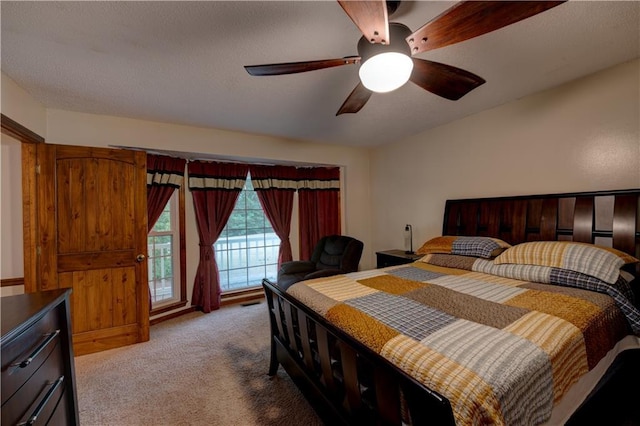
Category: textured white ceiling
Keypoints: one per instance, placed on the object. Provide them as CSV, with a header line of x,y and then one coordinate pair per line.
x,y
182,62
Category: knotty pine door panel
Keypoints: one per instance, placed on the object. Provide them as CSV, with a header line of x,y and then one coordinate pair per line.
x,y
93,238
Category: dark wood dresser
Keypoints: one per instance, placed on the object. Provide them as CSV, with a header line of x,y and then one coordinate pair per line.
x,y
38,373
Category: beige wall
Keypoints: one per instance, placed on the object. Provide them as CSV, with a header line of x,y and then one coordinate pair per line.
x,y
11,255
18,105
65,127
582,136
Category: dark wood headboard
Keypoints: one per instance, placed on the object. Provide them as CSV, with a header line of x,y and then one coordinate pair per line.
x,y
607,218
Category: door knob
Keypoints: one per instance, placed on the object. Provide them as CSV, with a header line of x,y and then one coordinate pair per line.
x,y
140,258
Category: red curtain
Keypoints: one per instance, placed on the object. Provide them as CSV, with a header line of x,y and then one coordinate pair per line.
x,y
215,188
164,175
275,186
319,206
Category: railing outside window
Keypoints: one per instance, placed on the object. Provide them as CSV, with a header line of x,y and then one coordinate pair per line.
x,y
161,267
244,261
162,248
247,250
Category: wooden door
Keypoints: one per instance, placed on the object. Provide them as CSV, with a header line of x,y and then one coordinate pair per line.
x,y
92,237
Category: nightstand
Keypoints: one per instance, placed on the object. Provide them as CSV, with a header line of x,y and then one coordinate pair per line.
x,y
394,257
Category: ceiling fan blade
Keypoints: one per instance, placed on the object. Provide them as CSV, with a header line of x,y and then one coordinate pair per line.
x,y
471,19
444,80
370,17
355,101
296,67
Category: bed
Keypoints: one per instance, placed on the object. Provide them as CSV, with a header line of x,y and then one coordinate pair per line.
x,y
513,316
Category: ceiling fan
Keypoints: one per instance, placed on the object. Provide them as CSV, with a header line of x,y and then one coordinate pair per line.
x,y
387,50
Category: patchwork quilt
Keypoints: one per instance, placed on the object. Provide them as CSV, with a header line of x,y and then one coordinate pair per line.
x,y
501,345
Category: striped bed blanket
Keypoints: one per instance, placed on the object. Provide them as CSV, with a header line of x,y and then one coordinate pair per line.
x,y
501,350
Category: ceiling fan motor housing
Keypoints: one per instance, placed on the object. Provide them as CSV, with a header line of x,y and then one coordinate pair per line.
x,y
397,43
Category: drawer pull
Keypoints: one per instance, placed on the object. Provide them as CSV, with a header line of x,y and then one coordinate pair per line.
x,y
43,403
49,337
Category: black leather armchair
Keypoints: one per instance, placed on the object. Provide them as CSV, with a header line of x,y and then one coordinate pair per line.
x,y
333,255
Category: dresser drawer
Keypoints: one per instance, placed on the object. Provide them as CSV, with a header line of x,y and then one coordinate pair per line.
x,y
38,397
22,356
61,414
37,375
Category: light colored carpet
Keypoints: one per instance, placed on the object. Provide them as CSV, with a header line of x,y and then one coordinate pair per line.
x,y
197,369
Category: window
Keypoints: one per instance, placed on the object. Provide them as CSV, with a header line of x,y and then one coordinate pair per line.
x,y
247,249
166,256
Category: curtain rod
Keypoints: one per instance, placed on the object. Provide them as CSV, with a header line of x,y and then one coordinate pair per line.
x,y
222,158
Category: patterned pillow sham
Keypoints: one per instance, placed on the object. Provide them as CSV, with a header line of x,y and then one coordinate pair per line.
x,y
450,261
620,290
601,262
484,247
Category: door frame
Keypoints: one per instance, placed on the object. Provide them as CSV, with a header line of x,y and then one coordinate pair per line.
x,y
28,140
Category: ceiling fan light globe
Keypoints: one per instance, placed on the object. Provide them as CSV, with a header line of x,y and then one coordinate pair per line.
x,y
386,72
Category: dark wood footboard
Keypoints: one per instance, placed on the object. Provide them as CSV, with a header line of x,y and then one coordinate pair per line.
x,y
345,381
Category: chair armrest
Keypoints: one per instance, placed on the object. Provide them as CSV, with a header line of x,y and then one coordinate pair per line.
x,y
297,266
323,273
